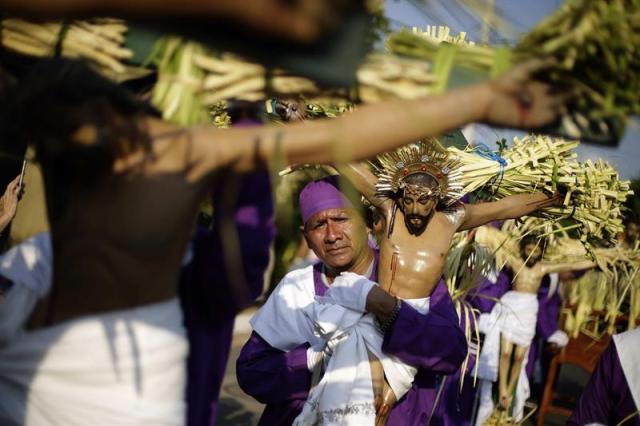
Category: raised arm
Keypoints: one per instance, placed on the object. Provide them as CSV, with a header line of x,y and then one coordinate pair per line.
x,y
373,129
511,207
569,266
362,179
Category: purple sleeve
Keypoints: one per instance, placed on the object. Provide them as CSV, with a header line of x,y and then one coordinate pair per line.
x,y
433,341
271,375
253,217
595,404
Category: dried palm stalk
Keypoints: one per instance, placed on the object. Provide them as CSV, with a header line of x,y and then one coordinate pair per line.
x,y
594,192
596,47
99,41
612,290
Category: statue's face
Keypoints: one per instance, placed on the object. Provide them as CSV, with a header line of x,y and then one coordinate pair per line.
x,y
417,209
532,253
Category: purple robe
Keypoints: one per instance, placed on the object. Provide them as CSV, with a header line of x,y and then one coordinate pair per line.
x,y
211,296
456,405
434,343
488,293
607,398
548,315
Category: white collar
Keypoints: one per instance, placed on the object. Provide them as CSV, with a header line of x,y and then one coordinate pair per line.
x,y
367,273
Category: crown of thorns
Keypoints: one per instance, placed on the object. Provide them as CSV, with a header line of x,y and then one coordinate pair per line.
x,y
423,157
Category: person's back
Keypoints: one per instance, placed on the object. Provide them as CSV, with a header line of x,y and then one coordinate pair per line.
x,y
126,237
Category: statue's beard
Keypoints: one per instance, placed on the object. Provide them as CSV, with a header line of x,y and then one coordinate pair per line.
x,y
416,224
532,260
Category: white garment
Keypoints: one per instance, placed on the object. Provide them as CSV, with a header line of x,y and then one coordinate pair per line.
x,y
29,267
344,395
627,345
554,283
560,338
514,317
120,368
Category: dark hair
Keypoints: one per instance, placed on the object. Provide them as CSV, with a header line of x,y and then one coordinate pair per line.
x,y
422,179
533,239
55,99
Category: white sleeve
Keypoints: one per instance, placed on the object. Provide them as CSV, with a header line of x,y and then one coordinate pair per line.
x,y
15,309
283,321
559,337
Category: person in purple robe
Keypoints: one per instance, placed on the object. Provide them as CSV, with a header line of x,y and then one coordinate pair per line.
x,y
225,275
549,338
457,400
612,396
432,342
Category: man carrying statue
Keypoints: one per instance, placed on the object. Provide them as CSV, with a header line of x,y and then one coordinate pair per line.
x,y
278,372
416,192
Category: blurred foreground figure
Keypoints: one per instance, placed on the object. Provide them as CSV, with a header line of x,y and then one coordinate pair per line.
x,y
123,189
303,21
612,396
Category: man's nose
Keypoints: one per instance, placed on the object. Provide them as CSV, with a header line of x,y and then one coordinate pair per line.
x,y
333,232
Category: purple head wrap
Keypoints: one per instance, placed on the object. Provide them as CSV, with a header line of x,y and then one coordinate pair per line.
x,y
322,194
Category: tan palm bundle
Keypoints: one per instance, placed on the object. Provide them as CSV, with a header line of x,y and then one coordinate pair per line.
x,y
466,263
100,41
444,51
596,45
594,191
612,291
597,48
191,79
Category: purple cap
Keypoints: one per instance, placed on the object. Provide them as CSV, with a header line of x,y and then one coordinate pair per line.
x,y
322,194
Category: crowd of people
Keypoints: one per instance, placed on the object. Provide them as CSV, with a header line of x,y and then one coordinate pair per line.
x,y
123,313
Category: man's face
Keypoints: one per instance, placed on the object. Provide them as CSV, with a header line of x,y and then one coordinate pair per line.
x,y
338,237
417,209
532,253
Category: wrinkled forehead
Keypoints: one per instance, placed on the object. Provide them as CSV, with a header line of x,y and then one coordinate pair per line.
x,y
328,214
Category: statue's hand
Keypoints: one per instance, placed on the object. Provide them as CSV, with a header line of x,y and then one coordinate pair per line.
x,y
516,100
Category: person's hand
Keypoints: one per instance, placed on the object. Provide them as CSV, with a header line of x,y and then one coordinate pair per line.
x,y
9,202
349,290
380,303
516,100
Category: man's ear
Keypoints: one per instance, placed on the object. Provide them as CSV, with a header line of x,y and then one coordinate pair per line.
x,y
304,234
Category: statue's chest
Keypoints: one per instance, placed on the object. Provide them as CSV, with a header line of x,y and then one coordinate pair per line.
x,y
438,231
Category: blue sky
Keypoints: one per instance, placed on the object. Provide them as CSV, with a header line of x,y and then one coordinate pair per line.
x,y
521,15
